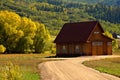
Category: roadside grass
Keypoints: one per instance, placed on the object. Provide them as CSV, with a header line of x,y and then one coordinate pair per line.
x,y
27,62
108,65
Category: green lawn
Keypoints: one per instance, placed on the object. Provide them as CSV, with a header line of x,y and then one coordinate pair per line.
x,y
27,62
110,66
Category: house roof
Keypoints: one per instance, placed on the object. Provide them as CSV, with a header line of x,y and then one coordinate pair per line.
x,y
76,32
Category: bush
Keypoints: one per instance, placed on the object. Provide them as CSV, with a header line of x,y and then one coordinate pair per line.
x,y
2,49
11,72
53,51
114,45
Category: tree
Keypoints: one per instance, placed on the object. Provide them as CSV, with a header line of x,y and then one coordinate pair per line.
x,y
41,38
25,44
1,3
114,42
108,34
20,34
9,33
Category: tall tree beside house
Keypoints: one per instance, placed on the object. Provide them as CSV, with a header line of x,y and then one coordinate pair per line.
x,y
114,42
115,45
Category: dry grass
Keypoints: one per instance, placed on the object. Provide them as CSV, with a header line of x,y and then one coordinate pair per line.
x,y
28,62
25,60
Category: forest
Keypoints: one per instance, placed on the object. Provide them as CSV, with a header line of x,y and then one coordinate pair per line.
x,y
105,2
26,25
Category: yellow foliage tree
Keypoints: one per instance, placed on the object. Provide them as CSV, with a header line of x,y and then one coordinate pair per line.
x,y
9,23
41,39
20,34
114,42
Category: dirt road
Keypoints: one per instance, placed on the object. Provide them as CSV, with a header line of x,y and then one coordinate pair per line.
x,y
73,69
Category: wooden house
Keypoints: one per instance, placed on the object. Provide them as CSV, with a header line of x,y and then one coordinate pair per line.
x,y
82,38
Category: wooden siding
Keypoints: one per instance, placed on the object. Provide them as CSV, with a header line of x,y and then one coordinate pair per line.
x,y
97,48
70,49
109,48
105,48
96,34
87,49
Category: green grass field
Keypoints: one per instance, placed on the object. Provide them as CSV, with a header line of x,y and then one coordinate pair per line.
x,y
110,66
27,62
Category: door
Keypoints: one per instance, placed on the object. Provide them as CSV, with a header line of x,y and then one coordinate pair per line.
x,y
97,48
109,48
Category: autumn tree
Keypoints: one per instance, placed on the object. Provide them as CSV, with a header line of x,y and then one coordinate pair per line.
x,y
114,42
9,33
26,42
41,38
21,34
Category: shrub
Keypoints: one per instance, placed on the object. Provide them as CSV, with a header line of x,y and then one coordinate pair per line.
x,y
53,50
11,72
2,49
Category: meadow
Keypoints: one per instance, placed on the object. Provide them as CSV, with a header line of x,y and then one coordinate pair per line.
x,y
108,65
27,62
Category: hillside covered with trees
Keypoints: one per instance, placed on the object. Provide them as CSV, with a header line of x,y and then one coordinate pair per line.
x,y
29,22
105,2
54,13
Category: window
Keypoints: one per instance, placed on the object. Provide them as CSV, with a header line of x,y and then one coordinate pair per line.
x,y
64,49
96,32
94,43
109,43
77,49
97,43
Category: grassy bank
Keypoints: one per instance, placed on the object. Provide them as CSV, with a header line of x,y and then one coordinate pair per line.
x,y
27,62
110,66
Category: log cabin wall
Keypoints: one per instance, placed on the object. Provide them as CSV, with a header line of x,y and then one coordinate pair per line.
x,y
87,49
91,48
70,49
105,48
109,48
